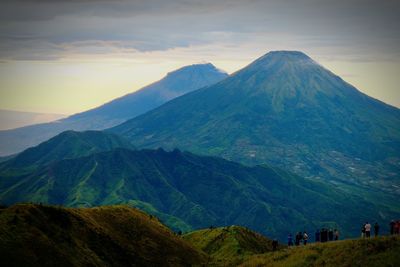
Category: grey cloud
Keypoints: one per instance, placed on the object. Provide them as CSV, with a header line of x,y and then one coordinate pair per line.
x,y
355,25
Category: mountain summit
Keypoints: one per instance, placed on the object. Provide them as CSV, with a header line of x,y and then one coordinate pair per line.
x,y
176,83
286,110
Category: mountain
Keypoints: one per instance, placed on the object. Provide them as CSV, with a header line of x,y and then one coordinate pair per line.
x,y
229,246
380,251
176,83
285,110
36,235
188,191
10,119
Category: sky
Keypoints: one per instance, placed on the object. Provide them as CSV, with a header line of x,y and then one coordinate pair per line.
x,y
67,56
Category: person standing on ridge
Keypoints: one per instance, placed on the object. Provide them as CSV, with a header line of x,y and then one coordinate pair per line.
x,y
330,234
376,229
297,240
317,236
290,240
336,234
367,230
324,235
392,223
274,244
363,231
305,238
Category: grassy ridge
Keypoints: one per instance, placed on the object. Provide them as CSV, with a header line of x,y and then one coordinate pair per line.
x,y
382,251
229,245
35,235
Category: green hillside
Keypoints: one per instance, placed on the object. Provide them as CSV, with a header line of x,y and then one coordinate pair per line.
x,y
35,235
285,110
185,190
69,144
374,252
229,245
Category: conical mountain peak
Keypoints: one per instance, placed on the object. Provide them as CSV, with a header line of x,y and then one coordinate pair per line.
x,y
284,55
199,69
277,60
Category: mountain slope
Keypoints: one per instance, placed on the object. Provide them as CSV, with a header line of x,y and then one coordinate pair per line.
x,y
176,83
35,235
229,246
68,144
382,251
190,192
285,110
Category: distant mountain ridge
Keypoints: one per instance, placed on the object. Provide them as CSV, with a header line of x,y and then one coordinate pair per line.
x,y
285,110
11,119
176,83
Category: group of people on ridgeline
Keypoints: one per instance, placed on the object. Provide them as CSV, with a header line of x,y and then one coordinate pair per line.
x,y
301,237
366,230
323,235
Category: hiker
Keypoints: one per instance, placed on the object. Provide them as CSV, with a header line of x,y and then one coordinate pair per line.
x,y
290,240
397,227
324,235
376,229
367,230
297,240
392,224
336,234
330,235
363,231
305,238
274,244
317,236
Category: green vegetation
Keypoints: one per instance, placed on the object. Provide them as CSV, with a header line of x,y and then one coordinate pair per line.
x,y
229,246
185,190
374,252
36,235
69,144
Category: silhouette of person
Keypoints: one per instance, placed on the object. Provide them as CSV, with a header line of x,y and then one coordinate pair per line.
x,y
336,234
367,230
317,236
392,223
305,238
290,240
274,244
330,234
376,229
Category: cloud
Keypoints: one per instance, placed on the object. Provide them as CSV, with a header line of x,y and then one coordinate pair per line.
x,y
49,29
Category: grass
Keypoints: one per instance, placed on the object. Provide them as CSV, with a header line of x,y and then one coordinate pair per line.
x,y
36,235
228,246
381,251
